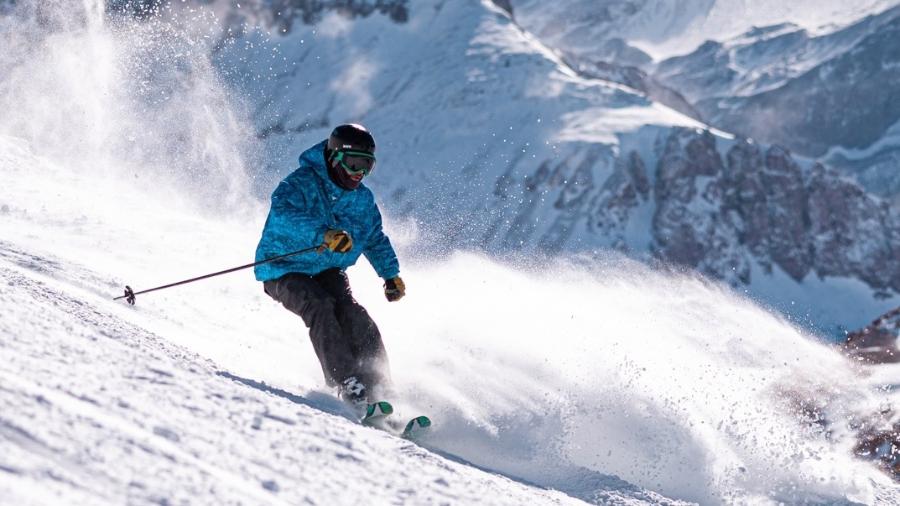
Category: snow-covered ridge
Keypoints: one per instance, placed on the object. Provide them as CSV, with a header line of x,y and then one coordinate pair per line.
x,y
806,75
818,95
736,83
664,29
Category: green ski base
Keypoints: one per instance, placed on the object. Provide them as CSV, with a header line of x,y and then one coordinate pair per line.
x,y
376,416
377,410
416,427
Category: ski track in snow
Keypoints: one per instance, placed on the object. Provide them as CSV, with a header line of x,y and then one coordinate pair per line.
x,y
96,409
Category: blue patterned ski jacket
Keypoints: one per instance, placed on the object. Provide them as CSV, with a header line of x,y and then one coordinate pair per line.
x,y
306,204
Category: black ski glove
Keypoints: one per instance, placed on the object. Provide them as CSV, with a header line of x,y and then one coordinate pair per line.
x,y
394,289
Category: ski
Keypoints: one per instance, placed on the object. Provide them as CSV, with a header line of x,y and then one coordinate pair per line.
x,y
377,416
376,412
416,427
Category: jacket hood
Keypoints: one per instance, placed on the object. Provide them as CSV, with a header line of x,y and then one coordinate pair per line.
x,y
314,157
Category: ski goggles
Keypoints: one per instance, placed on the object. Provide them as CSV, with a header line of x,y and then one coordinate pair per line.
x,y
355,162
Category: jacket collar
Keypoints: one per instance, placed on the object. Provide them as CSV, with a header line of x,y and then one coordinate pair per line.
x,y
314,158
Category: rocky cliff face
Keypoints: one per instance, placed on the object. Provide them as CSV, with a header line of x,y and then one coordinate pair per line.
x,y
877,341
716,212
691,227
286,12
879,436
731,209
720,207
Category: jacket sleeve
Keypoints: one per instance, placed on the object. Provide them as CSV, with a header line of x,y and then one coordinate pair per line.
x,y
379,251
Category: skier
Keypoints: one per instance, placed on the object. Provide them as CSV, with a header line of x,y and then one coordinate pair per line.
x,y
325,202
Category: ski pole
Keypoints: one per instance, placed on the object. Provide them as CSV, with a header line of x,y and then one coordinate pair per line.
x,y
130,294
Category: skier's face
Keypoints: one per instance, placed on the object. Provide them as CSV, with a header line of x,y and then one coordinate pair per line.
x,y
348,167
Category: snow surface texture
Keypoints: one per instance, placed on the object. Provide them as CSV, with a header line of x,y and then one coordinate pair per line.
x,y
614,384
97,410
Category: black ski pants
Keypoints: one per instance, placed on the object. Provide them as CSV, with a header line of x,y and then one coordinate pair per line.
x,y
343,335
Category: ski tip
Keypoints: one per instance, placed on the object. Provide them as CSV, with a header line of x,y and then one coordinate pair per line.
x,y
384,407
378,409
416,426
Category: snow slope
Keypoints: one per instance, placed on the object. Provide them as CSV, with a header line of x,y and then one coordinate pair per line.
x,y
103,404
612,386
97,410
100,411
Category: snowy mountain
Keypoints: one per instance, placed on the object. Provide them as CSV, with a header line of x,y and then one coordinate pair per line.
x,y
827,95
493,141
815,77
557,370
661,29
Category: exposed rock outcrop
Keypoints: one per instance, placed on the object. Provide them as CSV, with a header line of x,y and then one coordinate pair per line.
x,y
877,341
691,226
712,213
626,189
717,206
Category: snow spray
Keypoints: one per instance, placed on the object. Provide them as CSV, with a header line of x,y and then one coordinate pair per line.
x,y
125,99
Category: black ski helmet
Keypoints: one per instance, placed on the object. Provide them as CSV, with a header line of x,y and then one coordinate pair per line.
x,y
351,136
